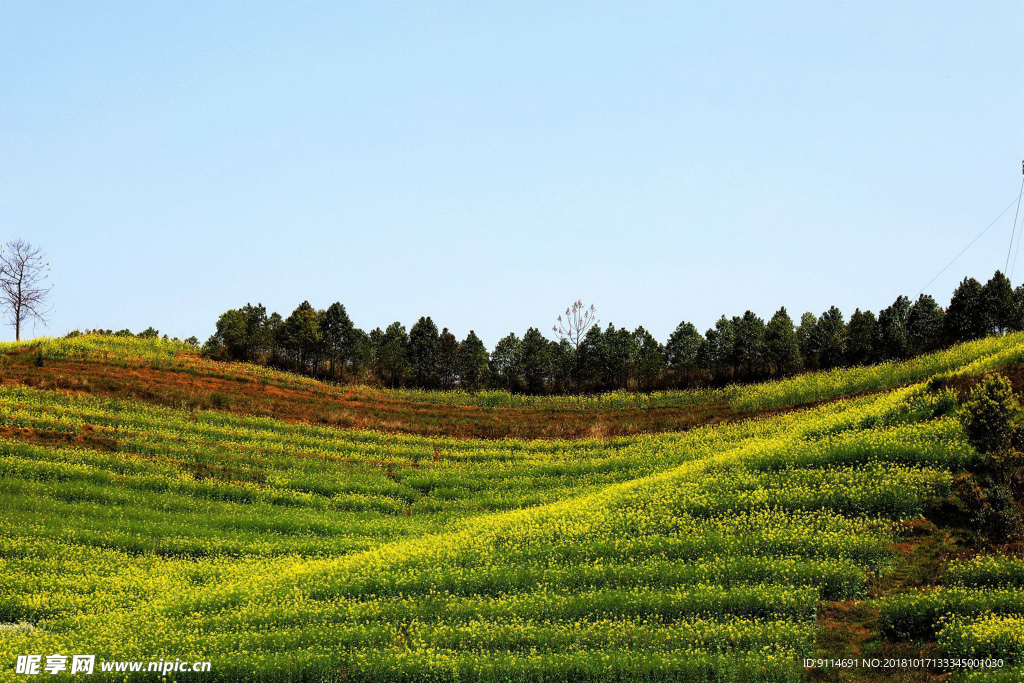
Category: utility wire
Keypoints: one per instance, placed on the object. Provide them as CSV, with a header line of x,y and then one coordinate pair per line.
x,y
1015,228
1014,232
1015,201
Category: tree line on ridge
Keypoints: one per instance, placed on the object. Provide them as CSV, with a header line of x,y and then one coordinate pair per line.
x,y
326,344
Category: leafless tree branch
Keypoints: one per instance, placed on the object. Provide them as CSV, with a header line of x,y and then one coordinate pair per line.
x,y
23,292
578,319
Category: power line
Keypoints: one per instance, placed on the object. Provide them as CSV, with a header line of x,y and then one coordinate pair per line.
x,y
1015,225
1015,201
1014,232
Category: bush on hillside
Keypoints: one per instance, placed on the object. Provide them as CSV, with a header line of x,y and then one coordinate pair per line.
x,y
990,507
988,415
988,419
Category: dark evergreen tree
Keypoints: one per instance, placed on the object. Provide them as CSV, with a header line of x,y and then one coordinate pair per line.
x,y
229,341
998,302
447,360
474,363
719,349
273,333
536,361
375,358
782,348
621,350
300,340
1018,309
860,338
650,360
736,349
966,317
591,360
684,352
507,364
424,347
748,345
242,334
337,330
924,325
362,361
805,336
891,338
830,338
392,355
563,366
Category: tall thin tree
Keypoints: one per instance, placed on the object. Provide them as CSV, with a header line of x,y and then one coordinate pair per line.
x,y
23,294
578,319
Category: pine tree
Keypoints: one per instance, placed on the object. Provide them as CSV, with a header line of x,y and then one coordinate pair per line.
x,y
393,355
860,335
748,349
473,363
966,317
337,330
536,361
718,347
1017,324
999,304
563,366
591,360
684,351
506,364
362,359
924,325
830,338
424,347
447,360
806,336
300,339
891,339
243,334
782,348
621,351
650,360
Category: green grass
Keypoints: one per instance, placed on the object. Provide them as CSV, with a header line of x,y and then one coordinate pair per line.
x,y
971,357
284,551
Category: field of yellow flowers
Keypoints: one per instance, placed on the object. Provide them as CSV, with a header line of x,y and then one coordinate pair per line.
x,y
285,551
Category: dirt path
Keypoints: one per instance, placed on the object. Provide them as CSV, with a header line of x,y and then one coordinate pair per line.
x,y
851,629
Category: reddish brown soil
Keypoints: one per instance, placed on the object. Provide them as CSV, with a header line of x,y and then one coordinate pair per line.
x,y
87,437
197,386
236,388
850,629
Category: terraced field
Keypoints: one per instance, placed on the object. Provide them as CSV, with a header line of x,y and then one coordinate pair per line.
x,y
279,547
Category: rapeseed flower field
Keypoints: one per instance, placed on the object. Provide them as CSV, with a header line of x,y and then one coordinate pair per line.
x,y
281,550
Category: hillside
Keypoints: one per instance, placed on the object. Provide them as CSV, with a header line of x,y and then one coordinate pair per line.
x,y
160,506
175,375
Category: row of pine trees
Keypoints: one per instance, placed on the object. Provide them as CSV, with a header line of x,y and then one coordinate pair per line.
x,y
326,344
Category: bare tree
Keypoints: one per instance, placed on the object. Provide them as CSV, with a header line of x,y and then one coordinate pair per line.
x,y
22,292
578,319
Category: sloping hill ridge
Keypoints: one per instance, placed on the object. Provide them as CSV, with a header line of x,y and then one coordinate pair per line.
x,y
146,527
175,375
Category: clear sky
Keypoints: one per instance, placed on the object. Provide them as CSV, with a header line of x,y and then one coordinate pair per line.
x,y
488,163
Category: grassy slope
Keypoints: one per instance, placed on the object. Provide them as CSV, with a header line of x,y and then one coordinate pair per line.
x,y
174,375
273,547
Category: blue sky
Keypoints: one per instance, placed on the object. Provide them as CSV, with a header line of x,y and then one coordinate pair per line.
x,y
488,163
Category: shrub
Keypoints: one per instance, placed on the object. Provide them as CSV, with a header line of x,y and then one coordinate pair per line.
x,y
988,414
991,506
